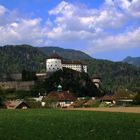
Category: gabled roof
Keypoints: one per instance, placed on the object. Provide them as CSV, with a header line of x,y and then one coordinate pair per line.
x,y
73,62
61,96
54,55
14,104
107,98
96,76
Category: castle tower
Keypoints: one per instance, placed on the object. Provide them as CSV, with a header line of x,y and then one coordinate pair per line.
x,y
96,80
53,63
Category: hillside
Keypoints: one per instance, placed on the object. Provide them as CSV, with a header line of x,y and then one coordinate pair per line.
x,y
132,60
76,82
13,59
114,74
65,53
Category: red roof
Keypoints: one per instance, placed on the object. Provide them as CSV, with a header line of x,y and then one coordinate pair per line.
x,y
107,98
61,96
96,76
73,62
55,55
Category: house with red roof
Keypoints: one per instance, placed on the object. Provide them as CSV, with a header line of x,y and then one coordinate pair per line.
x,y
16,104
61,98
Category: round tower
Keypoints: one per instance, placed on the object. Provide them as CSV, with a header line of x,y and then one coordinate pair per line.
x,y
96,79
53,63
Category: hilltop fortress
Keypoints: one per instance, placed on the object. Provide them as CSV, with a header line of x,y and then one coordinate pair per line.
x,y
55,63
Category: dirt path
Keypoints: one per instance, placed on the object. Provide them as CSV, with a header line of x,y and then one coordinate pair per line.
x,y
113,109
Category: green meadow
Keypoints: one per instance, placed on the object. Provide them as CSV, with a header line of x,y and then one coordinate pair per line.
x,y
46,124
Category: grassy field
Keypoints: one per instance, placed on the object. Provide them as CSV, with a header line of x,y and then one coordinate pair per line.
x,y
46,124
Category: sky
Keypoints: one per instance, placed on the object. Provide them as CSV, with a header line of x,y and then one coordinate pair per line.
x,y
104,29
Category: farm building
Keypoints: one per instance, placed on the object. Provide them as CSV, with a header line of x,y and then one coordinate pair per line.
x,y
16,104
60,98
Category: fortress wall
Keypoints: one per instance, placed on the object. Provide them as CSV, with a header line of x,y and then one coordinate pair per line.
x,y
24,85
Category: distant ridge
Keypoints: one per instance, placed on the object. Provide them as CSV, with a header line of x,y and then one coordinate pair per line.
x,y
132,60
65,53
15,58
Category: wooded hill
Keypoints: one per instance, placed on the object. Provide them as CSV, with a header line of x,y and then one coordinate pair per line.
x,y
66,53
114,74
14,59
132,60
76,82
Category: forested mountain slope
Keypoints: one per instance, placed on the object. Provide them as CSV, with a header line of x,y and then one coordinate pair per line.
x,y
132,60
65,53
13,59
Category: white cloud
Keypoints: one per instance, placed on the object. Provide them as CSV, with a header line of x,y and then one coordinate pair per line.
x,y
64,8
135,8
124,3
129,39
67,14
71,17
16,29
2,10
101,29
95,29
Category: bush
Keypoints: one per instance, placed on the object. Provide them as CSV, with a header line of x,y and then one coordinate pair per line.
x,y
1,102
137,99
34,104
51,103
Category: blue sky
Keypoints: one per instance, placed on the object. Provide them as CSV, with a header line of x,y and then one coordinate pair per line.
x,y
105,29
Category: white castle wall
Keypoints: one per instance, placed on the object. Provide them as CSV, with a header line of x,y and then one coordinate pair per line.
x,y
53,64
85,68
76,67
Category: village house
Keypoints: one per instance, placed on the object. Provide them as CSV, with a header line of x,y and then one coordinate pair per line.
x,y
60,98
16,104
108,100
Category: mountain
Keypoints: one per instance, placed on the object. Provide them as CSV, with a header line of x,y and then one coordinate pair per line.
x,y
65,53
114,74
132,60
15,58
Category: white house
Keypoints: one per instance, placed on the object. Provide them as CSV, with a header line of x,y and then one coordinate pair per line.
x,y
62,98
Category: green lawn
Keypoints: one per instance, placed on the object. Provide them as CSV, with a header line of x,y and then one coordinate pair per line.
x,y
46,124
